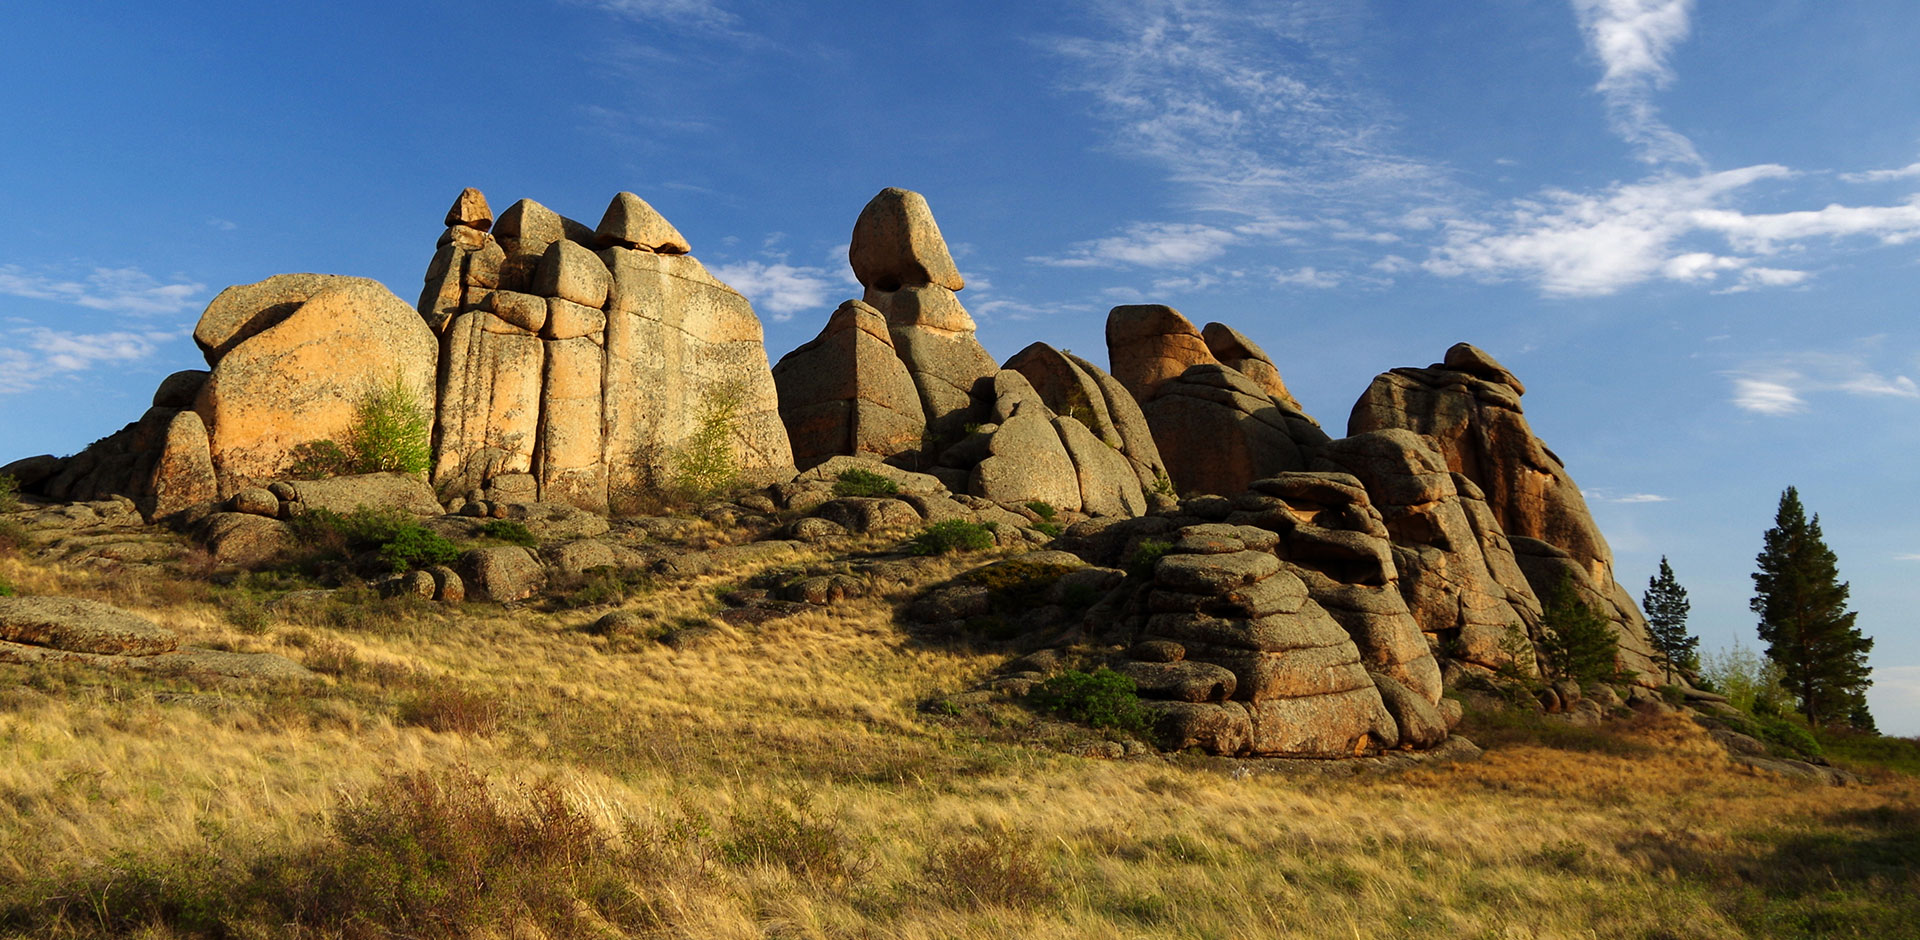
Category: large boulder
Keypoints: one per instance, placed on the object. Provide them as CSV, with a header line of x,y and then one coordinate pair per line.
x,y
1235,351
81,626
1081,391
1217,429
847,392
1026,460
243,310
301,379
896,243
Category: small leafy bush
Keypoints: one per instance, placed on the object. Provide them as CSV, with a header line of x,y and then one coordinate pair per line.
x,y
509,531
392,430
6,588
952,535
705,464
854,481
401,543
449,708
1140,563
1043,509
1100,699
1052,530
9,493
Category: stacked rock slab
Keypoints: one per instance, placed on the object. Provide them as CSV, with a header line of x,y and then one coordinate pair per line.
x,y
900,376
1457,570
583,360
1236,657
1217,429
1468,408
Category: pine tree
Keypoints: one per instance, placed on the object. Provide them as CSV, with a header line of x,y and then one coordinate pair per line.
x,y
1666,605
1804,618
1577,642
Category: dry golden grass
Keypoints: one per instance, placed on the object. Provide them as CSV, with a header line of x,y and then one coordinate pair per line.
x,y
785,782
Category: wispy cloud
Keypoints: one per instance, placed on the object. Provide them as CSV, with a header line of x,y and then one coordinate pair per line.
x,y
1907,556
36,354
779,288
1606,496
114,290
694,14
1307,277
1251,109
1910,171
1634,41
1782,386
1147,244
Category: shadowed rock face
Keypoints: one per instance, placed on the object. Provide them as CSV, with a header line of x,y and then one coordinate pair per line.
x,y
1217,429
848,393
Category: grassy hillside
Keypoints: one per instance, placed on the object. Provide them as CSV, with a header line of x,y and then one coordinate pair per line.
x,y
479,771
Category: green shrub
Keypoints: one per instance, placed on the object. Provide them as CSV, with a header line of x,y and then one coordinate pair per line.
x,y
6,588
1043,509
952,535
1052,530
1751,682
802,840
1576,640
1140,563
1163,484
509,531
416,546
1100,699
392,430
855,481
402,543
9,493
705,464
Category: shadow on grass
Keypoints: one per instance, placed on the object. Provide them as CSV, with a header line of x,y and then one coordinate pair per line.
x,y
1849,873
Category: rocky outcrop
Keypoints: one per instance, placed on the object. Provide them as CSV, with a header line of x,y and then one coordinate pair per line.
x,y
1457,571
37,630
1467,408
900,376
1217,428
591,357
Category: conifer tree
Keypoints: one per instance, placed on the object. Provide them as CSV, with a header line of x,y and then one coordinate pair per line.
x,y
1804,618
1666,606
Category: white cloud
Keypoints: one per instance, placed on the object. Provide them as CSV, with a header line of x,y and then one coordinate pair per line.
x,y
37,353
224,225
779,288
114,290
1907,556
1909,171
1634,40
1604,496
1148,244
1782,386
1767,397
1306,277
1763,234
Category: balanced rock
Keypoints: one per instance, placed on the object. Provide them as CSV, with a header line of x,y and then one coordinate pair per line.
x,y
1235,351
470,210
631,223
243,310
897,244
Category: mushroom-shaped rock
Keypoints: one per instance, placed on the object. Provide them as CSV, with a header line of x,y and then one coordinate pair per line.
x,y
897,244
470,211
1239,353
631,223
1150,344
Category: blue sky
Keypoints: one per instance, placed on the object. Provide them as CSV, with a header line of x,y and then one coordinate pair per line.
x,y
1693,229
